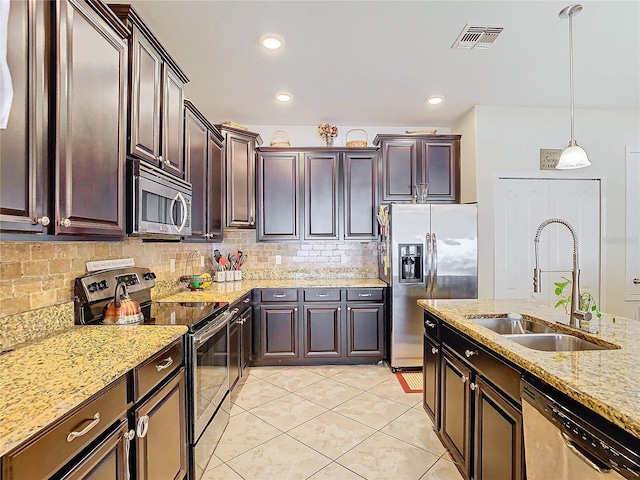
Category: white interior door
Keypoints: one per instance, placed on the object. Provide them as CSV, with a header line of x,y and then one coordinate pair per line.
x,y
633,226
521,204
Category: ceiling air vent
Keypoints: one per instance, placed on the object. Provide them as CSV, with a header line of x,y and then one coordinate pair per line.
x,y
474,36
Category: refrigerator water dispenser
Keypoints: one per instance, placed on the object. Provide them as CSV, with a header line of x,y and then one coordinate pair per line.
x,y
410,256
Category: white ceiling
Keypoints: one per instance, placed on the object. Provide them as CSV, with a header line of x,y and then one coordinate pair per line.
x,y
376,62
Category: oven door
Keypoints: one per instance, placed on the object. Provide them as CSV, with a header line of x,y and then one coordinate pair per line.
x,y
210,373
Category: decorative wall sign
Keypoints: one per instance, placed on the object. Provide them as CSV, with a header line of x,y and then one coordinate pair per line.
x,y
549,158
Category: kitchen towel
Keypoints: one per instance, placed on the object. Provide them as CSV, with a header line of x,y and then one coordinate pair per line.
x,y
6,87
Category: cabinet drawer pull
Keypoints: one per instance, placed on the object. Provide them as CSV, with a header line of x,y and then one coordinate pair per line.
x,y
166,363
464,378
430,324
85,430
470,353
434,350
143,426
322,295
279,295
636,281
246,300
473,386
364,294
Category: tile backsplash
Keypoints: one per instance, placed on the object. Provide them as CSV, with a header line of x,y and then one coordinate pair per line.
x,y
41,274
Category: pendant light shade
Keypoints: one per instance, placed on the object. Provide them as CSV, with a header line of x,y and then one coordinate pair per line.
x,y
573,156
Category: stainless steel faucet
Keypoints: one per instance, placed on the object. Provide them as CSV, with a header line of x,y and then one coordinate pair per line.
x,y
575,314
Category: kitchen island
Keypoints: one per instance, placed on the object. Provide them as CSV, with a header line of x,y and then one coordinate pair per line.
x,y
605,381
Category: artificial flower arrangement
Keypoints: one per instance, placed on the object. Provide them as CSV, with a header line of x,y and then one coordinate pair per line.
x,y
325,130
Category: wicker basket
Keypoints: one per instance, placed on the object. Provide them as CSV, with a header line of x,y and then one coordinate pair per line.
x,y
280,138
357,143
231,124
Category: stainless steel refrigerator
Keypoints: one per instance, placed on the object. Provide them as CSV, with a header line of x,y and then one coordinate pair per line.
x,y
426,251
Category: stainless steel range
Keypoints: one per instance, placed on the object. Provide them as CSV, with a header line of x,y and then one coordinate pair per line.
x,y
206,348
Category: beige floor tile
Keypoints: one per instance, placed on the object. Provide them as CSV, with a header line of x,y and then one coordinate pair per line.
x,y
329,393
258,392
372,410
416,428
442,470
236,410
392,390
331,434
262,372
335,471
214,461
382,457
281,458
221,472
244,432
293,380
296,412
327,370
364,377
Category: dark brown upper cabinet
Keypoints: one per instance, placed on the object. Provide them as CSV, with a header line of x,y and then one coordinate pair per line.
x,y
90,108
23,144
321,195
278,202
240,174
337,199
409,159
156,97
203,145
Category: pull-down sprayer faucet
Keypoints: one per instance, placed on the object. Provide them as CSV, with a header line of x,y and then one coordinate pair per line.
x,y
575,314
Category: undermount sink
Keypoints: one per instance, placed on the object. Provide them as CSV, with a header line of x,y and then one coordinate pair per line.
x,y
508,326
554,342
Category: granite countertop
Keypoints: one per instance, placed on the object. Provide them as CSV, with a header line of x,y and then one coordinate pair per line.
x,y
605,381
44,380
232,291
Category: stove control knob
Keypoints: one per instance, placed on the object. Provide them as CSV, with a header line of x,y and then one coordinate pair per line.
x,y
103,285
92,287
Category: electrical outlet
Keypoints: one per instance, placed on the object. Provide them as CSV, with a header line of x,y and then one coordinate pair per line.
x,y
172,265
202,260
278,259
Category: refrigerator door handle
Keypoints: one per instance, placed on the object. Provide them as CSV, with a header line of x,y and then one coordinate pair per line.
x,y
434,263
427,262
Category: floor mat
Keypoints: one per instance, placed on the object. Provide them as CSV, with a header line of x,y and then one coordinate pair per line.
x,y
411,382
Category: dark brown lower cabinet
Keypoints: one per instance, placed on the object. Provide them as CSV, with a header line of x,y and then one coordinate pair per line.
x,y
498,451
455,414
160,424
279,332
431,380
322,331
109,460
365,330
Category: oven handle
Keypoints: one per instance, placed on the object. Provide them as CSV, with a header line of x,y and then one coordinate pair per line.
x,y
179,198
207,332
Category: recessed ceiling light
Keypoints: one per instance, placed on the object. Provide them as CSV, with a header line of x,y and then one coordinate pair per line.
x,y
435,100
284,97
271,41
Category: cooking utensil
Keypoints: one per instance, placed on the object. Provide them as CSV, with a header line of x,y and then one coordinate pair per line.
x,y
223,263
122,309
217,255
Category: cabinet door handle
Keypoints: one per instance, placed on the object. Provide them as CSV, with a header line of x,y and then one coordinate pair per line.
x,y
464,378
339,308
636,281
127,437
95,420
246,300
434,350
473,386
44,220
143,426
279,295
295,309
166,363
322,295
65,222
470,353
364,294
349,308
430,324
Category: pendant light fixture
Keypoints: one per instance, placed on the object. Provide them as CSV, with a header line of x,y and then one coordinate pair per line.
x,y
573,156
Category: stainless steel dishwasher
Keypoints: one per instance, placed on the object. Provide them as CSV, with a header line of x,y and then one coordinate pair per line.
x,y
563,440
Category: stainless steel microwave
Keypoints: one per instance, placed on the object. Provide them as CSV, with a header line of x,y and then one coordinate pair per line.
x,y
158,203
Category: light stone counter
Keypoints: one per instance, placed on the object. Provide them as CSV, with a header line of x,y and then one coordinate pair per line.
x,y
42,381
606,381
232,291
